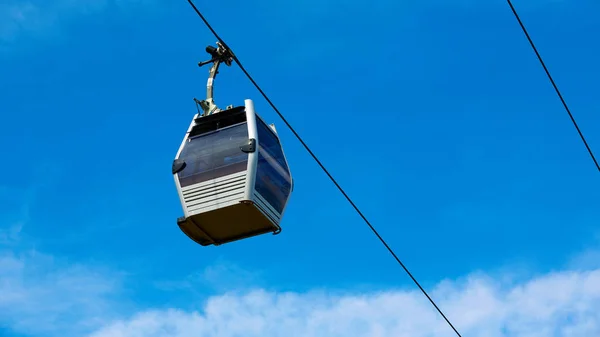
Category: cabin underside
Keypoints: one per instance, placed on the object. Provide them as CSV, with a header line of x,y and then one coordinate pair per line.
x,y
222,225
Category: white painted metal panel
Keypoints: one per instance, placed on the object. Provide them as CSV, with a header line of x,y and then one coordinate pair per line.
x,y
215,193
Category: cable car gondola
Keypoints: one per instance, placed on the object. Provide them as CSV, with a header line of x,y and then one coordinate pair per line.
x,y
231,173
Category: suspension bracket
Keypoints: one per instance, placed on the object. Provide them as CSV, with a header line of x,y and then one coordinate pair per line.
x,y
219,55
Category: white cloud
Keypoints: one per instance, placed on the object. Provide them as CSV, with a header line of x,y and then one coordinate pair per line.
x,y
41,295
557,304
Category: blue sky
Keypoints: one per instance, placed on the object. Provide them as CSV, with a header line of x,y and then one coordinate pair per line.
x,y
435,116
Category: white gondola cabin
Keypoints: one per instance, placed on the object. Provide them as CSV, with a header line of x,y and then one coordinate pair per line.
x,y
232,177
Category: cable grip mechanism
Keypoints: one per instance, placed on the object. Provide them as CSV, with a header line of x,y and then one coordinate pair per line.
x,y
219,55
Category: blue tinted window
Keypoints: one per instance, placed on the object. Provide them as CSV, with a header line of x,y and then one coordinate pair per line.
x,y
214,155
273,181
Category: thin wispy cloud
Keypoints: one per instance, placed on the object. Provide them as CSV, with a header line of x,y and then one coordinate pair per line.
x,y
220,276
37,18
15,208
43,296
11,234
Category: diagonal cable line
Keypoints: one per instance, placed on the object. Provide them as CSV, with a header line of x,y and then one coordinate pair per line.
x,y
323,168
553,83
